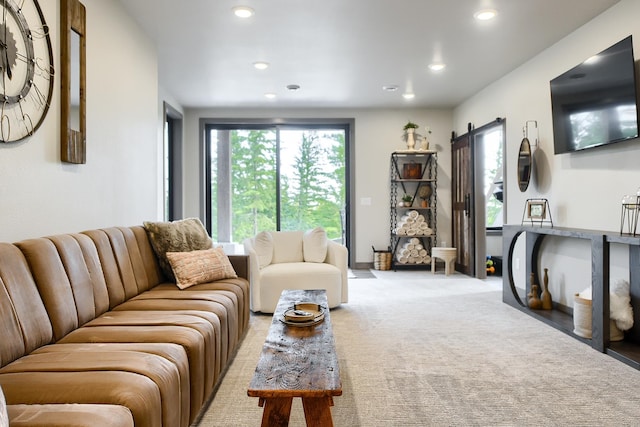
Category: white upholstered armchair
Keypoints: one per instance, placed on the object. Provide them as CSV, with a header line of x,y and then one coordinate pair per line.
x,y
282,260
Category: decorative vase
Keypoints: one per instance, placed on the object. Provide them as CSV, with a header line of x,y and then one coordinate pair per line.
x,y
533,300
425,144
411,142
547,302
425,204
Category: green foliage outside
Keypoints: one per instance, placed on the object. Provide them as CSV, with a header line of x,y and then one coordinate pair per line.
x,y
312,182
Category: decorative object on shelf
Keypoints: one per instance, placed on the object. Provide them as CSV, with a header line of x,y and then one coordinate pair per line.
x,y
583,318
413,224
547,302
27,69
424,192
424,144
407,201
411,170
413,252
533,300
537,212
630,211
410,135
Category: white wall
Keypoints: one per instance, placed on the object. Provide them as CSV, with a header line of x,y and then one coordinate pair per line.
x,y
39,195
377,134
584,189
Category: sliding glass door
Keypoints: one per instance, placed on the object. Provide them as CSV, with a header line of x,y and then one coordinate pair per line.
x,y
268,177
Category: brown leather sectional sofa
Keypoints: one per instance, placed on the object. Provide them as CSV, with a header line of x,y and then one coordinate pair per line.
x,y
91,333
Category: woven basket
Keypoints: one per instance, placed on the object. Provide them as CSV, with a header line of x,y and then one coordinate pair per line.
x,y
582,320
382,260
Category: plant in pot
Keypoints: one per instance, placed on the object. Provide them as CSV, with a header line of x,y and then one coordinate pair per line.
x,y
407,200
410,134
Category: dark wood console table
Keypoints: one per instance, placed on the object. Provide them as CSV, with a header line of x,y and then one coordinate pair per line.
x,y
627,351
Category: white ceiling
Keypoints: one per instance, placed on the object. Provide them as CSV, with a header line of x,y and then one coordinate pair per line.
x,y
342,52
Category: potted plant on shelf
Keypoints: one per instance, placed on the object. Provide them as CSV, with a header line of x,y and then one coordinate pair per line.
x,y
410,134
407,200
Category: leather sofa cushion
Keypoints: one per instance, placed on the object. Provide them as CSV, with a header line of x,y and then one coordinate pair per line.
x,y
70,415
137,392
24,324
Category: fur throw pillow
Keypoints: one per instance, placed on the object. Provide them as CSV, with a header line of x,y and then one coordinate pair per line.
x,y
178,236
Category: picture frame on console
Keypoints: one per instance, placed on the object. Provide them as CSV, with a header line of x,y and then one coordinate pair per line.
x,y
536,209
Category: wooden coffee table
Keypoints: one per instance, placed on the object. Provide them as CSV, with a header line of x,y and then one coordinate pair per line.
x,y
297,362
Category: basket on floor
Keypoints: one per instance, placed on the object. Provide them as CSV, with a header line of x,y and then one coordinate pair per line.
x,y
582,320
381,259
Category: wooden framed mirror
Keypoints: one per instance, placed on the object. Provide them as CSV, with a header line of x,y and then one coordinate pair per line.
x,y
524,164
73,81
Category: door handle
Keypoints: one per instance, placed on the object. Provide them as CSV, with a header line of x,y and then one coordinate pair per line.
x,y
467,204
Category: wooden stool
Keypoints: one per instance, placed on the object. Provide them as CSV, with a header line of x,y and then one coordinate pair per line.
x,y
448,255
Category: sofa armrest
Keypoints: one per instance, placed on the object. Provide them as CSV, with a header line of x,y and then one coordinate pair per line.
x,y
338,255
254,274
240,264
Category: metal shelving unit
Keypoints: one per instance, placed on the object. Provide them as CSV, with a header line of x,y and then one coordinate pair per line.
x,y
410,170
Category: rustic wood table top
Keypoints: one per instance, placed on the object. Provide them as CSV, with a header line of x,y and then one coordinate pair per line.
x,y
298,361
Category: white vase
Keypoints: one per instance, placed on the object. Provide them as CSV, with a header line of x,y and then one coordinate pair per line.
x,y
411,142
425,144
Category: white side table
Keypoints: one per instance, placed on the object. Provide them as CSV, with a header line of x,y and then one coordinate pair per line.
x,y
448,255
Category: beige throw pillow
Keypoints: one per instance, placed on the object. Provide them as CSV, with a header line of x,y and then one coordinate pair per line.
x,y
177,236
263,245
195,267
314,245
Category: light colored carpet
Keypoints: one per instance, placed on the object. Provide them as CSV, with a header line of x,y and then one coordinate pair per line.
x,y
423,350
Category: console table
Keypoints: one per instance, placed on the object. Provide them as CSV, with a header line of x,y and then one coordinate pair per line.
x,y
628,350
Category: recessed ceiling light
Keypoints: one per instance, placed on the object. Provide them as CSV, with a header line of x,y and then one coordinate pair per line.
x,y
270,95
485,14
243,11
293,88
437,66
390,88
261,65
408,95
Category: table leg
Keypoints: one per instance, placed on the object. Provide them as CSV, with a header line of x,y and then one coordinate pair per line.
x,y
433,264
276,411
317,411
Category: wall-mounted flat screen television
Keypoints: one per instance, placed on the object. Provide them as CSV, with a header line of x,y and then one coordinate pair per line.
x,y
595,103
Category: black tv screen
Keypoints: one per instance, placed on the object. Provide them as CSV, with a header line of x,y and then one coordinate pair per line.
x,y
595,103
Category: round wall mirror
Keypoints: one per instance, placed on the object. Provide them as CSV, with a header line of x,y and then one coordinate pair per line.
x,y
524,164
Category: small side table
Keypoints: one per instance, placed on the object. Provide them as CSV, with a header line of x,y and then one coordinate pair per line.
x,y
448,255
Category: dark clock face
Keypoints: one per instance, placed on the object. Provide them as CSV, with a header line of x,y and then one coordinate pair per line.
x,y
26,69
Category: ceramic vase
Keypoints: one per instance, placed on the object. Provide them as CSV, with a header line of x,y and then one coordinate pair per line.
x,y
533,300
411,141
425,144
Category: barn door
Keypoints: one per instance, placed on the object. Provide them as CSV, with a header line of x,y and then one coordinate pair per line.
x,y
463,203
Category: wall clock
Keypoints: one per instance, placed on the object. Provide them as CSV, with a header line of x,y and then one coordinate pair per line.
x,y
26,74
